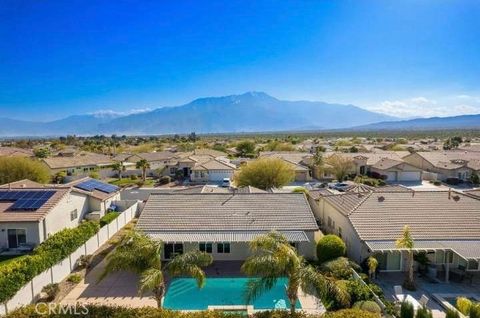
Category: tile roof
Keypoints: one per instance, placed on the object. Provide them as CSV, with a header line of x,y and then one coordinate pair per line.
x,y
7,215
84,159
432,215
214,164
219,236
227,212
157,156
25,183
100,195
452,159
372,158
13,152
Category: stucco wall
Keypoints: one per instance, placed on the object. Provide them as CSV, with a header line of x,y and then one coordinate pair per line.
x,y
33,232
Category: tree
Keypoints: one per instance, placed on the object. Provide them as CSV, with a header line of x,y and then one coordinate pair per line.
x,y
341,166
16,168
119,168
474,178
318,163
41,152
372,266
330,247
265,173
143,165
59,177
140,254
272,258
406,242
245,148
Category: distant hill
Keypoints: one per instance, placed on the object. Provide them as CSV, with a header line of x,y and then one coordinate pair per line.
x,y
249,112
433,123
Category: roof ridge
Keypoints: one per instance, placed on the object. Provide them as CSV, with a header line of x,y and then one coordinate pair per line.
x,y
369,194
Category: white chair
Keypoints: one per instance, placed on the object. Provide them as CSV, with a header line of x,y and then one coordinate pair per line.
x,y
398,292
423,301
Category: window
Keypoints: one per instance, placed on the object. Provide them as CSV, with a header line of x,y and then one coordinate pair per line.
x,y
223,248
16,237
73,215
172,250
473,265
173,170
205,247
197,174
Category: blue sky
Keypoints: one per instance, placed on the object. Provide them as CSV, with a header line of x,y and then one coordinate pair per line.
x,y
405,58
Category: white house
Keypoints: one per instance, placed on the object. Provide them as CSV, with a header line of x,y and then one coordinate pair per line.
x,y
223,223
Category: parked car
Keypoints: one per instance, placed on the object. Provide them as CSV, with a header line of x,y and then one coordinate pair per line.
x,y
339,186
226,183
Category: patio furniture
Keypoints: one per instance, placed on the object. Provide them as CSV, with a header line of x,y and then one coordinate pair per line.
x,y
423,300
398,292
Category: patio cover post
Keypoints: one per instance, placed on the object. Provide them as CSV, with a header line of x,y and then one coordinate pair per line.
x,y
447,272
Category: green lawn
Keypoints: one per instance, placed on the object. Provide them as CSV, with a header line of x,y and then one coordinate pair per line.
x,y
127,182
5,259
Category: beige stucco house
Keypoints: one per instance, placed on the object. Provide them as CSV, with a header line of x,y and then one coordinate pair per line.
x,y
301,162
444,224
224,223
81,164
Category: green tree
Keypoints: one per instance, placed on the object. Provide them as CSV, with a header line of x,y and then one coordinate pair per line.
x,y
340,165
406,242
273,258
59,177
246,148
119,168
143,165
330,247
17,168
372,266
140,254
265,173
474,178
41,152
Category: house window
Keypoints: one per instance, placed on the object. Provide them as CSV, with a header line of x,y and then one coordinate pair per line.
x,y
205,247
16,237
73,215
473,265
439,257
173,170
223,248
171,250
294,245
197,174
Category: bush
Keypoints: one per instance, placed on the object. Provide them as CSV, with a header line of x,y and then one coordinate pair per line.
x,y
51,290
407,310
164,180
424,312
358,291
475,311
16,168
351,313
340,268
437,183
452,313
16,274
464,304
133,177
74,278
330,247
108,217
368,305
265,173
84,261
94,175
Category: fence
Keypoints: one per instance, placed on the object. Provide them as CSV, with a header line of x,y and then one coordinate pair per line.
x,y
55,274
375,296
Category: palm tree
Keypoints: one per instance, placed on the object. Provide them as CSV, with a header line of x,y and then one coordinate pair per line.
x,y
406,242
273,258
140,254
144,165
118,167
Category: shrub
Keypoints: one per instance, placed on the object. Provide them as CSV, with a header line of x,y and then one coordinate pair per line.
x,y
84,261
424,312
437,183
16,274
74,278
340,268
330,247
351,313
140,183
368,305
164,180
265,173
475,311
133,177
94,175
16,168
51,290
452,313
108,218
464,304
407,310
358,291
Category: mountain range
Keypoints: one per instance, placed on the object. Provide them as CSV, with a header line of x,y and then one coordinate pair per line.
x,y
249,112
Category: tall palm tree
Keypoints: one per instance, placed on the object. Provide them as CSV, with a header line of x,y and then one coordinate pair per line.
x,y
406,242
144,165
273,258
118,167
140,254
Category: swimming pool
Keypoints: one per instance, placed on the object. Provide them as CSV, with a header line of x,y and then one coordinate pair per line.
x,y
183,294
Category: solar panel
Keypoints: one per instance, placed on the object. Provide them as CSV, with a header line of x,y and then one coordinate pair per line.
x,y
27,200
91,185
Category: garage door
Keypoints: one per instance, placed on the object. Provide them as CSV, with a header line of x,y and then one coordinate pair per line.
x,y
219,175
392,176
409,176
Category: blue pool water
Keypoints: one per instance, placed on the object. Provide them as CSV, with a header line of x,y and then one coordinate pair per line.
x,y
183,294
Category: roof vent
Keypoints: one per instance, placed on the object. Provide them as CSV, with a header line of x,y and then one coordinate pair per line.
x,y
456,198
381,198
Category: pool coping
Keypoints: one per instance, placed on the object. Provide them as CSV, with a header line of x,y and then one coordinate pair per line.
x,y
440,298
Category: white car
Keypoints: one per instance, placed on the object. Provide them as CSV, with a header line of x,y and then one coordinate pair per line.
x,y
226,183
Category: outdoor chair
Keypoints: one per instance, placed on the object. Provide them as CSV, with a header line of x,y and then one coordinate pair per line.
x,y
423,300
398,292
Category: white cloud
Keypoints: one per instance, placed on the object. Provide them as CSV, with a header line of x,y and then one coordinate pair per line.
x,y
113,113
424,107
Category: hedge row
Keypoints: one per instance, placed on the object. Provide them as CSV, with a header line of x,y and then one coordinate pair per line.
x,y
96,311
16,274
108,218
